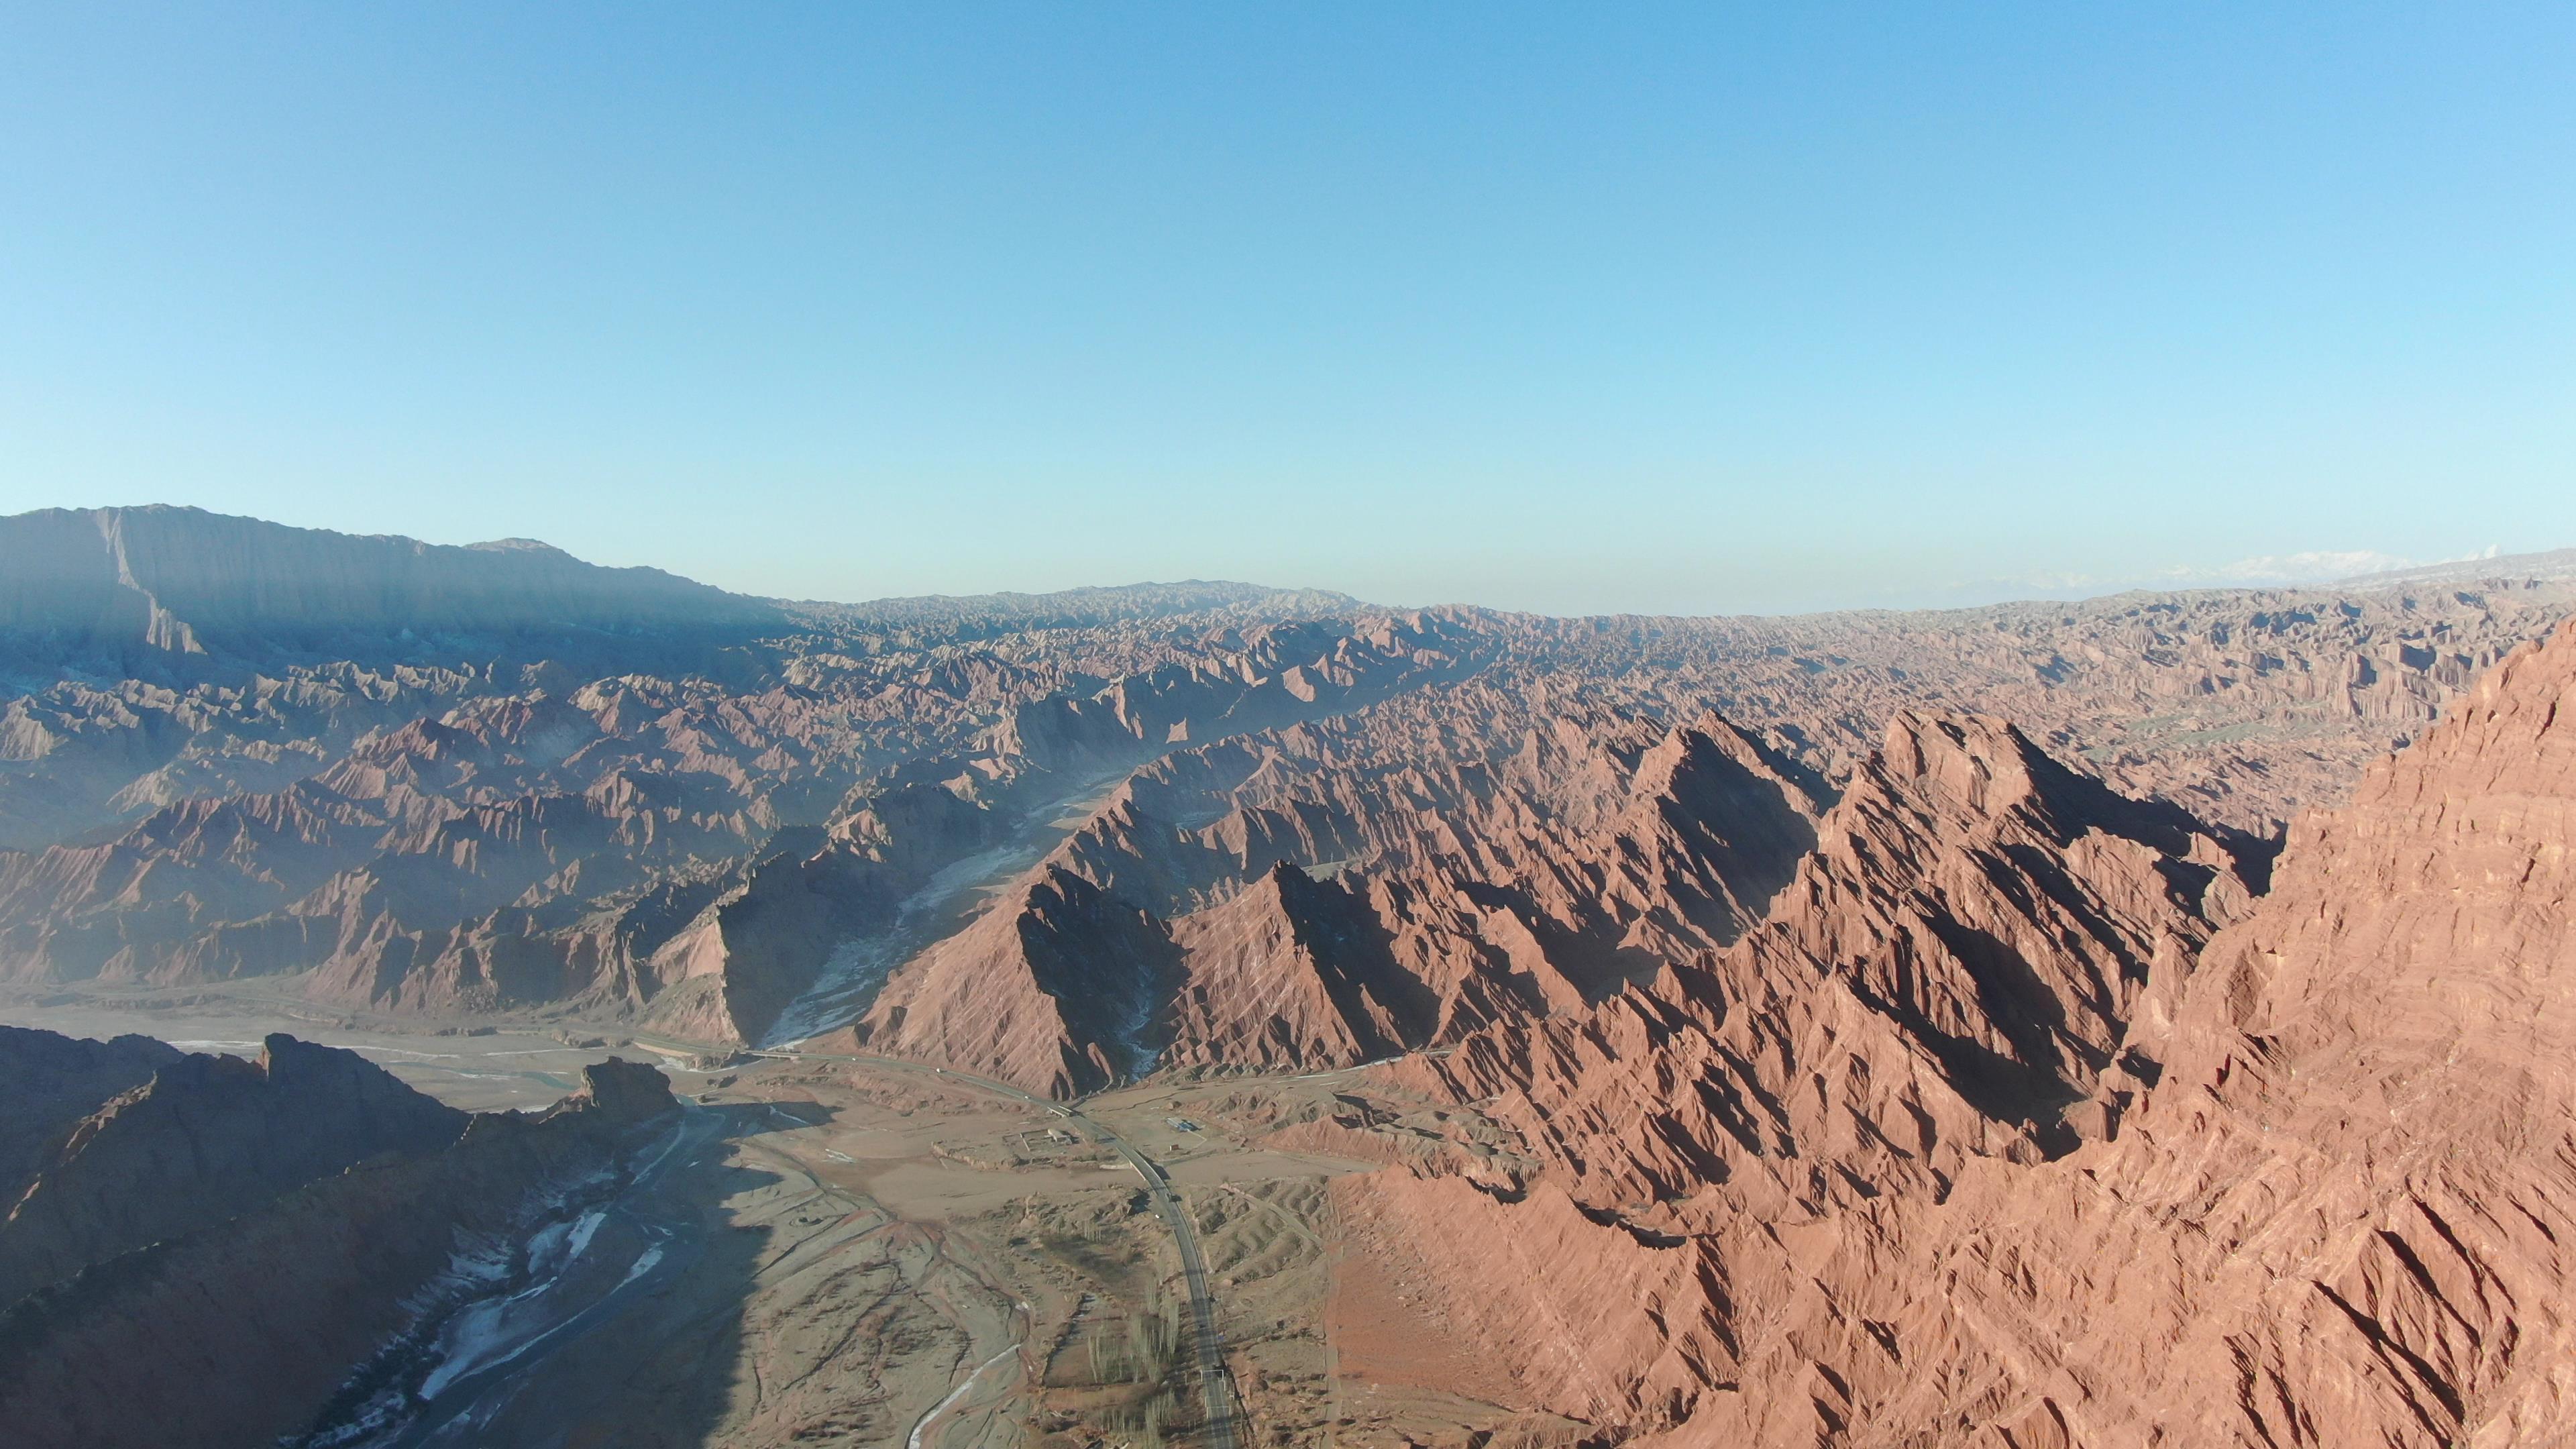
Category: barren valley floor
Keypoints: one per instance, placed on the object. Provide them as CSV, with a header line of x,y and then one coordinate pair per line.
x,y
850,1252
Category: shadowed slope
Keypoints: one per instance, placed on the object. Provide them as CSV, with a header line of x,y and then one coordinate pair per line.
x,y
1864,1185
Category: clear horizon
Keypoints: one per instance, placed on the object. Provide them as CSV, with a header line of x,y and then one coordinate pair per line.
x,y
1656,312
2294,571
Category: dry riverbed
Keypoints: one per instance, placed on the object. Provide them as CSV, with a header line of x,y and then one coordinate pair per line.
x,y
843,1253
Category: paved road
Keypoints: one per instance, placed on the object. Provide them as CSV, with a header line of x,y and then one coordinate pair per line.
x,y
1213,1381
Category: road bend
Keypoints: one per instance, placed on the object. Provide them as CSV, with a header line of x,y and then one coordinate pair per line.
x,y
1214,1383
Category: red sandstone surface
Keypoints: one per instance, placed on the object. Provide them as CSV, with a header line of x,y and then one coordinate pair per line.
x,y
2304,1181
1877,1029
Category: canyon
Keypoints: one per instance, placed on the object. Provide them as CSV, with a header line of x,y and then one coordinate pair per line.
x,y
2129,1021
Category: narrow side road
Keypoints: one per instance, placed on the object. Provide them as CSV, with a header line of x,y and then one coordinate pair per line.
x,y
1214,1383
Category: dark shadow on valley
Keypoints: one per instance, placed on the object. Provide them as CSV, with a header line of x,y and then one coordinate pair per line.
x,y
654,1362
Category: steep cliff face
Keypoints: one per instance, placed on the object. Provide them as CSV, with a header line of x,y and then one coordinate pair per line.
x,y
1053,989
50,1083
1954,972
2353,1195
1292,973
2319,1196
1951,978
239,1325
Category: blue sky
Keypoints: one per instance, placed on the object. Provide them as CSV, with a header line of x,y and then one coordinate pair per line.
x,y
1573,308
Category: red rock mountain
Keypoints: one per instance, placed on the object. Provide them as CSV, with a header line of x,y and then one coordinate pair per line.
x,y
403,778
1983,1139
1861,1029
1470,881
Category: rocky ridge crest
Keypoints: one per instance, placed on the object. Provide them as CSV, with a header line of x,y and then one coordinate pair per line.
x,y
2318,1195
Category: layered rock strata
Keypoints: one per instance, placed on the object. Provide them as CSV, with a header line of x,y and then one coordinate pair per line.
x,y
2317,1193
1335,893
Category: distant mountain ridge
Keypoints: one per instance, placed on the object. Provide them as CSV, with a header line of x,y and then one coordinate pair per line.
x,y
1091,603
102,587
186,581
2555,564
